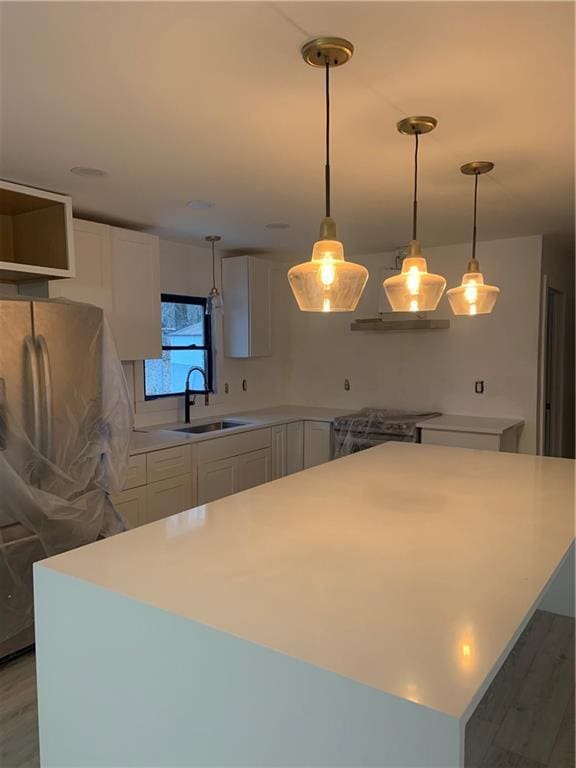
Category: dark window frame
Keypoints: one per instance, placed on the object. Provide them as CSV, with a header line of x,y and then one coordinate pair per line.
x,y
207,346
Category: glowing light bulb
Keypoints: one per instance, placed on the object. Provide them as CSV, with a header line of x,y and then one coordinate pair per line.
x,y
473,310
413,306
326,305
466,650
413,281
471,292
327,271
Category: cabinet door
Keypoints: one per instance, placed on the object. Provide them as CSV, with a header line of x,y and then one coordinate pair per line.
x,y
317,443
93,281
247,317
278,451
168,497
294,447
259,303
135,294
216,479
254,469
133,505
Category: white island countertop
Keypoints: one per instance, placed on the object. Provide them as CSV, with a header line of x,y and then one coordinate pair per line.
x,y
407,568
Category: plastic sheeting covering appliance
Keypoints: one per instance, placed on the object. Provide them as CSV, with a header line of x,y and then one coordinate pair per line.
x,y
65,426
371,426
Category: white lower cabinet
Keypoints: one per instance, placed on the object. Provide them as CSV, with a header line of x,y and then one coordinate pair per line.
x,y
317,443
133,504
279,451
224,477
217,479
294,447
254,468
168,481
168,497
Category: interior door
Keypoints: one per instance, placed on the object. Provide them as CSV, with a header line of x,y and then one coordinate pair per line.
x,y
68,337
18,378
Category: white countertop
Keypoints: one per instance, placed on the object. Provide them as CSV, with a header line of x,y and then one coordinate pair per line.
x,y
154,438
485,425
405,567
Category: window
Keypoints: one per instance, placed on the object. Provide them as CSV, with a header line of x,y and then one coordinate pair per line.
x,y
186,342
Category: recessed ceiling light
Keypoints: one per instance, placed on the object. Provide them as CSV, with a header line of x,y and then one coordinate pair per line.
x,y
200,204
84,170
278,225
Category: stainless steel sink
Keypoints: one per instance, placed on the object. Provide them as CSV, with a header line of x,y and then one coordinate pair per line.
x,y
214,426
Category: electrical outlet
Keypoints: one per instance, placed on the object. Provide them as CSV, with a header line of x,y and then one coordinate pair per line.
x,y
347,385
226,388
479,387
244,385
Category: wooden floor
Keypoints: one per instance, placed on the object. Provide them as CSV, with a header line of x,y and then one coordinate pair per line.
x,y
525,720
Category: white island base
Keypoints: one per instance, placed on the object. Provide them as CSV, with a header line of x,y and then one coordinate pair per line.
x,y
338,617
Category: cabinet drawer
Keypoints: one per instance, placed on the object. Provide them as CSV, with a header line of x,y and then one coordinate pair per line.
x,y
461,439
132,504
168,497
169,462
233,445
136,473
217,479
254,469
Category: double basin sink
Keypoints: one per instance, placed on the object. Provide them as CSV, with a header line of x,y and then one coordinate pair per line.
x,y
214,426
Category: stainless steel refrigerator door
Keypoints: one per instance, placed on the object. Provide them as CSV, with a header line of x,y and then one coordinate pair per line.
x,y
69,342
19,380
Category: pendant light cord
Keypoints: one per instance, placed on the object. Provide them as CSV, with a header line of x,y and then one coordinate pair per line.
x,y
475,209
415,203
327,166
213,266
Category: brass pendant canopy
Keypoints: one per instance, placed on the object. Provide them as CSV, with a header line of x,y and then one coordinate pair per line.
x,y
410,126
473,297
415,289
333,51
327,283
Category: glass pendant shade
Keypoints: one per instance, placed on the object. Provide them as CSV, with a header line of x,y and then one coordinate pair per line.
x,y
214,303
414,289
473,296
327,283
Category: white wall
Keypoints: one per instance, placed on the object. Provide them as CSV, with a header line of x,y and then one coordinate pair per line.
x,y
434,369
187,269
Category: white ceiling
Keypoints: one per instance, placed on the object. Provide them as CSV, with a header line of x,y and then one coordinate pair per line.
x,y
212,101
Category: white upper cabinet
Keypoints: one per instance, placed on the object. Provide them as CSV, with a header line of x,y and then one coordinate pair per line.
x,y
247,307
136,294
118,270
35,234
93,281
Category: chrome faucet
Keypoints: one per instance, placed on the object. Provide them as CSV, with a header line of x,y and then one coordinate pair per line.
x,y
187,392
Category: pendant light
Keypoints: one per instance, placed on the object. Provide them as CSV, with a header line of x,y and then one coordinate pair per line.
x,y
327,283
415,289
473,297
214,301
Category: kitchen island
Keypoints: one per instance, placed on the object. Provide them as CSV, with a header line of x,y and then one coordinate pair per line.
x,y
351,614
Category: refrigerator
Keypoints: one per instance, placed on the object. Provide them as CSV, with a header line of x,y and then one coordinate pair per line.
x,y
65,427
